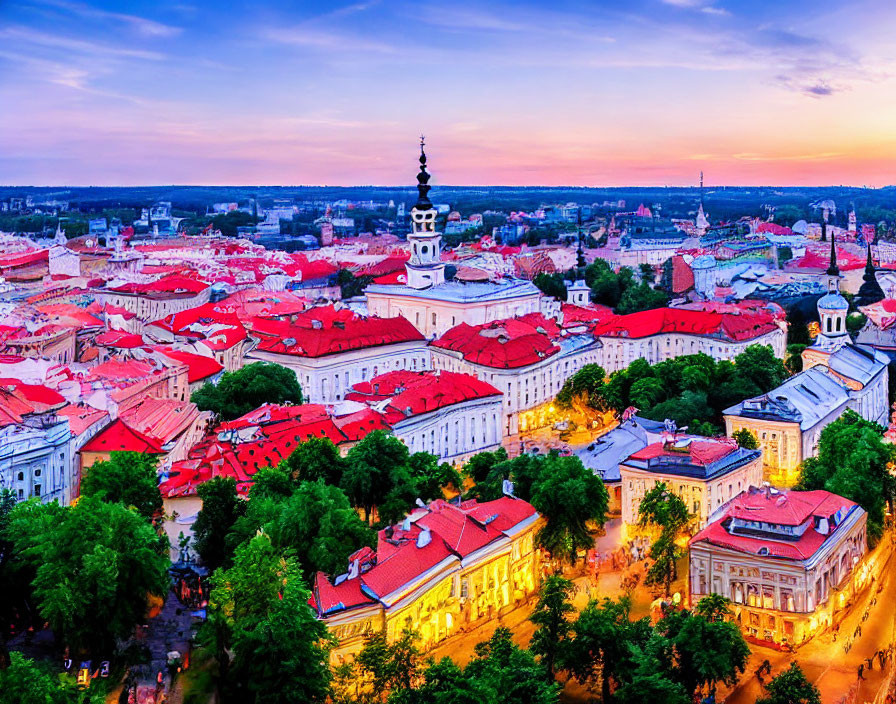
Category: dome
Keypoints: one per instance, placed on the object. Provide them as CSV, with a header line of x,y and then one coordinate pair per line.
x,y
704,261
801,227
832,301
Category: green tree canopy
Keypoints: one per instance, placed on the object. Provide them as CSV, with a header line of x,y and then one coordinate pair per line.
x,y
666,511
314,523
270,645
551,285
95,565
26,681
221,507
746,439
381,474
641,297
246,389
604,643
128,478
316,458
552,622
561,489
586,384
852,462
790,687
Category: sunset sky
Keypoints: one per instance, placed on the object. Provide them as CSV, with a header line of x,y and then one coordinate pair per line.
x,y
634,92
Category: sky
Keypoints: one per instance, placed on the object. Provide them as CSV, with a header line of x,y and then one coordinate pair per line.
x,y
596,93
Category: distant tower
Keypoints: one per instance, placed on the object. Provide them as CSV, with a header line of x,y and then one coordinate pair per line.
x,y
852,219
824,225
425,267
578,293
870,290
832,309
702,220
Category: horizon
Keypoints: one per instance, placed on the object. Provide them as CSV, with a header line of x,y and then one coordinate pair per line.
x,y
565,94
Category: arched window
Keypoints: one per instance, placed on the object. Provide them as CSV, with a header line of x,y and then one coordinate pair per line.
x,y
839,322
829,325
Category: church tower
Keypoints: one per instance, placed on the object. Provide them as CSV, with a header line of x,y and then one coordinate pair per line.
x,y
702,221
425,267
832,309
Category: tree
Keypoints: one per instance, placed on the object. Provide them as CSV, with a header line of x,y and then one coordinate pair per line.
x,y
662,509
649,681
641,297
569,496
852,462
269,644
503,672
480,465
316,459
794,360
604,643
551,619
431,477
389,667
758,364
221,507
551,285
95,565
312,522
694,665
244,390
587,384
128,478
377,477
746,439
797,328
790,687
26,681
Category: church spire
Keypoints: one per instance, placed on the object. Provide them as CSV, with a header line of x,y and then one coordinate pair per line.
x,y
833,269
423,202
870,291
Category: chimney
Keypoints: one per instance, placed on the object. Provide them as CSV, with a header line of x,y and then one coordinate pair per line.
x,y
424,538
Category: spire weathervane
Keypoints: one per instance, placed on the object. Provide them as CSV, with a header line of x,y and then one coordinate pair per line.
x,y
423,202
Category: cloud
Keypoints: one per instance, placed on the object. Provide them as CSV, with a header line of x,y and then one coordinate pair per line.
x,y
142,25
307,36
819,90
711,10
78,46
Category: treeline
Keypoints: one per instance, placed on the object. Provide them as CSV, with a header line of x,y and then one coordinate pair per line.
x,y
692,390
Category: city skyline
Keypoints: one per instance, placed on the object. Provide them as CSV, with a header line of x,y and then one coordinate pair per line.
x,y
524,94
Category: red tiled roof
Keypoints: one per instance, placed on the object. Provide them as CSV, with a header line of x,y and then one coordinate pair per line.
x,y
682,275
35,393
413,393
454,531
199,366
590,315
322,331
701,452
24,258
119,339
820,258
744,326
792,508
503,344
118,437
80,418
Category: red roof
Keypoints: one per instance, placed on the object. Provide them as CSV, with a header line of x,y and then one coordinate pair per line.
x,y
574,316
321,331
503,344
742,326
119,339
24,258
119,437
413,393
35,393
773,229
440,532
80,418
821,258
701,452
789,508
175,283
199,366
682,275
